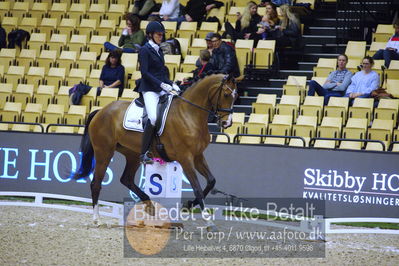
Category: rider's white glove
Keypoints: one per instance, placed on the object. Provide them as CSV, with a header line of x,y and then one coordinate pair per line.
x,y
166,87
175,87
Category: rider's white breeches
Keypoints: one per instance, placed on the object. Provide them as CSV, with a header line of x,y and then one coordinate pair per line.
x,y
151,100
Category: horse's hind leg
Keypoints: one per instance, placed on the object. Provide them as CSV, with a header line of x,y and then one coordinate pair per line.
x,y
127,178
103,158
202,167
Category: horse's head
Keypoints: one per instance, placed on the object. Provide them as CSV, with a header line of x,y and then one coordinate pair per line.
x,y
225,97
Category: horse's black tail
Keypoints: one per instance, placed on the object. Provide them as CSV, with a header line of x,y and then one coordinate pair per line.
x,y
87,158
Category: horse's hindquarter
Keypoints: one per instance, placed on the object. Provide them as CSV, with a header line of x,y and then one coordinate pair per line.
x,y
106,127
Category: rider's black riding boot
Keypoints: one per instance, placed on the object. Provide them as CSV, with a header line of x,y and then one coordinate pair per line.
x,y
149,131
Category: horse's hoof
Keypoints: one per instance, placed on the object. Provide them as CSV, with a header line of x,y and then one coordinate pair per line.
x,y
212,228
96,223
149,208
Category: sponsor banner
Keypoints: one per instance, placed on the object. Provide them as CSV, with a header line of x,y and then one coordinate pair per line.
x,y
353,184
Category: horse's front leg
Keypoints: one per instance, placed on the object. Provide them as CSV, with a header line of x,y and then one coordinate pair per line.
x,y
189,171
202,167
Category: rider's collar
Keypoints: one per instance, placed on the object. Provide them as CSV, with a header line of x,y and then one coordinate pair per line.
x,y
154,45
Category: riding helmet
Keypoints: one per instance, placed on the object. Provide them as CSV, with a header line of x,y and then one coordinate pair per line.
x,y
154,26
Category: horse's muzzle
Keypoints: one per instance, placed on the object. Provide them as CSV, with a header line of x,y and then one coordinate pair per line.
x,y
225,123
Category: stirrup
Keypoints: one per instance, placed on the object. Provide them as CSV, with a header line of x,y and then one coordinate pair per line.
x,y
145,159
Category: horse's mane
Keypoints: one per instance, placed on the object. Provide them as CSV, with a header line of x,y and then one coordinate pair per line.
x,y
196,80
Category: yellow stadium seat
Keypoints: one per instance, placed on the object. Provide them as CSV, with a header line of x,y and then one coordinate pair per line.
x,y
37,42
54,114
57,43
39,9
337,107
106,27
89,99
243,50
383,33
93,79
11,112
324,67
355,49
180,76
67,26
44,95
172,62
129,61
116,12
14,75
393,71
48,26
232,14
128,95
5,93
19,9
305,127
55,77
170,28
132,81
96,11
187,30
4,8
289,105
76,75
87,60
32,113
280,126
58,10
28,24
393,87
237,124
23,94
35,76
362,108
205,28
77,42
188,64
353,65
263,55
380,130
87,27
197,45
9,23
77,10
257,124
76,115
107,96
96,44
46,59
355,128
330,127
26,57
313,106
67,60
375,46
387,109
265,104
7,56
184,44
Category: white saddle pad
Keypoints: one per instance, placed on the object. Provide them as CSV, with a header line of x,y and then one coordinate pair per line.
x,y
133,119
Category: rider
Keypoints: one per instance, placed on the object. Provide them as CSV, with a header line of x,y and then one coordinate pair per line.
x,y
154,83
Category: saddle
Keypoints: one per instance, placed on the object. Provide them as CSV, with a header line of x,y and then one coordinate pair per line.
x,y
136,118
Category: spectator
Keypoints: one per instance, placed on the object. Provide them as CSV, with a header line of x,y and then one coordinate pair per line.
x,y
275,2
224,57
268,24
197,10
209,47
113,73
246,25
336,83
391,51
132,36
205,64
143,8
290,29
169,10
364,82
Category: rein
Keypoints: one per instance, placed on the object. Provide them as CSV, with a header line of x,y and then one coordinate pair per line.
x,y
211,112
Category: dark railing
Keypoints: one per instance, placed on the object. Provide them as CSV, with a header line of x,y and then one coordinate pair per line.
x,y
391,145
24,123
220,133
312,140
236,138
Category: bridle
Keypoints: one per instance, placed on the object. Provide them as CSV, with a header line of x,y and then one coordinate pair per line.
x,y
214,111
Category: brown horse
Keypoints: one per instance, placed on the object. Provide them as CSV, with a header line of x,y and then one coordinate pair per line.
x,y
185,137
